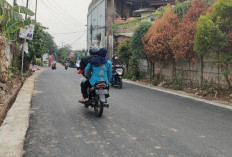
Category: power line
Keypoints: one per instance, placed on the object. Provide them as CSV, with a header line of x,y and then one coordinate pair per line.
x,y
49,10
66,33
78,38
65,12
59,13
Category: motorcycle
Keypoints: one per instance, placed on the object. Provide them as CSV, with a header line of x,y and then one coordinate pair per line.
x,y
53,66
97,97
66,66
117,76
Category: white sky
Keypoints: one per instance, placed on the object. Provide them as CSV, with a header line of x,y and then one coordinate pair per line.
x,y
66,19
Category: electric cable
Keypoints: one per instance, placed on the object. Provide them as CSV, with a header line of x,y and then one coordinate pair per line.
x,y
78,38
50,11
66,33
59,13
58,7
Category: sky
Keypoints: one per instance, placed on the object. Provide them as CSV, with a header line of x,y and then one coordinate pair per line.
x,y
66,20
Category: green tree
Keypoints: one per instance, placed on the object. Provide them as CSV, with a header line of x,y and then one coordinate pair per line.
x,y
213,35
11,18
136,43
134,67
42,43
124,53
208,37
50,45
64,53
181,9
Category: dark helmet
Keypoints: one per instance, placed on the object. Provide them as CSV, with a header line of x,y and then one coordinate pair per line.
x,y
93,50
102,52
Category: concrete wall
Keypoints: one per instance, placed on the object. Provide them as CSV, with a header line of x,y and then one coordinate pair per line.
x,y
96,24
190,72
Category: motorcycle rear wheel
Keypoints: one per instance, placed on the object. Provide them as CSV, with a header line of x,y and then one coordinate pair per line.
x,y
98,109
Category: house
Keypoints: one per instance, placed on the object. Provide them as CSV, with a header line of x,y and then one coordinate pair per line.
x,y
103,13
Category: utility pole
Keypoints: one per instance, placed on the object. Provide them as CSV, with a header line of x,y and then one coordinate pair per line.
x,y
23,49
62,43
35,10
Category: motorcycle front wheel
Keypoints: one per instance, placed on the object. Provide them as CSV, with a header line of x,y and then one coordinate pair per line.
x,y
119,83
98,109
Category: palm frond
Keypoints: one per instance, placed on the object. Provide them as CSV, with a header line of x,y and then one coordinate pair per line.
x,y
24,10
16,16
13,27
5,4
27,21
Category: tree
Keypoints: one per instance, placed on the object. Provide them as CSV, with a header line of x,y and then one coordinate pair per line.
x,y
50,45
221,16
184,40
124,53
180,9
157,42
214,35
11,18
136,44
63,53
42,43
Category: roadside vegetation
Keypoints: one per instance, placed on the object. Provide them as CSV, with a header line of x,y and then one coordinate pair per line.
x,y
187,31
11,79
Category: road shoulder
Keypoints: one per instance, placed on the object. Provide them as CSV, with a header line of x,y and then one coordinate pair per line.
x,y
182,94
15,125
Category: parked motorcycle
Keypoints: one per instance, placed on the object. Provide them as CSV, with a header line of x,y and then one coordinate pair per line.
x,y
97,97
117,76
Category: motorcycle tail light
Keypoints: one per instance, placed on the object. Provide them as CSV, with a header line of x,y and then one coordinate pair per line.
x,y
101,86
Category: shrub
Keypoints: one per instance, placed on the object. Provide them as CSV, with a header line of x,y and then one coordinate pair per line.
x,y
127,76
134,67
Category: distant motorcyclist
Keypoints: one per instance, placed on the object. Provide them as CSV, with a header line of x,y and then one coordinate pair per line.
x,y
115,60
117,70
66,65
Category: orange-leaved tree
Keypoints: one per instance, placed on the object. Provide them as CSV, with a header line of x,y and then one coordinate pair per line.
x,y
159,39
183,41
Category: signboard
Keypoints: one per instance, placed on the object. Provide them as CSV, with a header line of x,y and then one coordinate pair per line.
x,y
78,55
27,32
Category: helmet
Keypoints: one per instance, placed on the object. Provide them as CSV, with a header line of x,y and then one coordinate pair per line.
x,y
93,50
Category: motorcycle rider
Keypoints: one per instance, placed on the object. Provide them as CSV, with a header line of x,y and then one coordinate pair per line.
x,y
101,71
115,60
84,61
66,65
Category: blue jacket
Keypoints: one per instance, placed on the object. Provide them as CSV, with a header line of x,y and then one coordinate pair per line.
x,y
101,73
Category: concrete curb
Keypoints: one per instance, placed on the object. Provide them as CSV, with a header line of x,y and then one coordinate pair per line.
x,y
14,127
182,94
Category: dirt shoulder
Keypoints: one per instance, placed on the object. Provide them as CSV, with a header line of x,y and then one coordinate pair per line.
x,y
14,127
8,93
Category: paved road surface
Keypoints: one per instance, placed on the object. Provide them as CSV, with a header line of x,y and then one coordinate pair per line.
x,y
139,123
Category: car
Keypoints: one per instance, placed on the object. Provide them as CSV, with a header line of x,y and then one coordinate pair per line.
x,y
78,64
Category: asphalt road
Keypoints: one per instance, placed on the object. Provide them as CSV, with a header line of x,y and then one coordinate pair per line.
x,y
139,123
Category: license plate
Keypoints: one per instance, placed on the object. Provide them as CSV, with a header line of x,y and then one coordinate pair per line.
x,y
104,91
